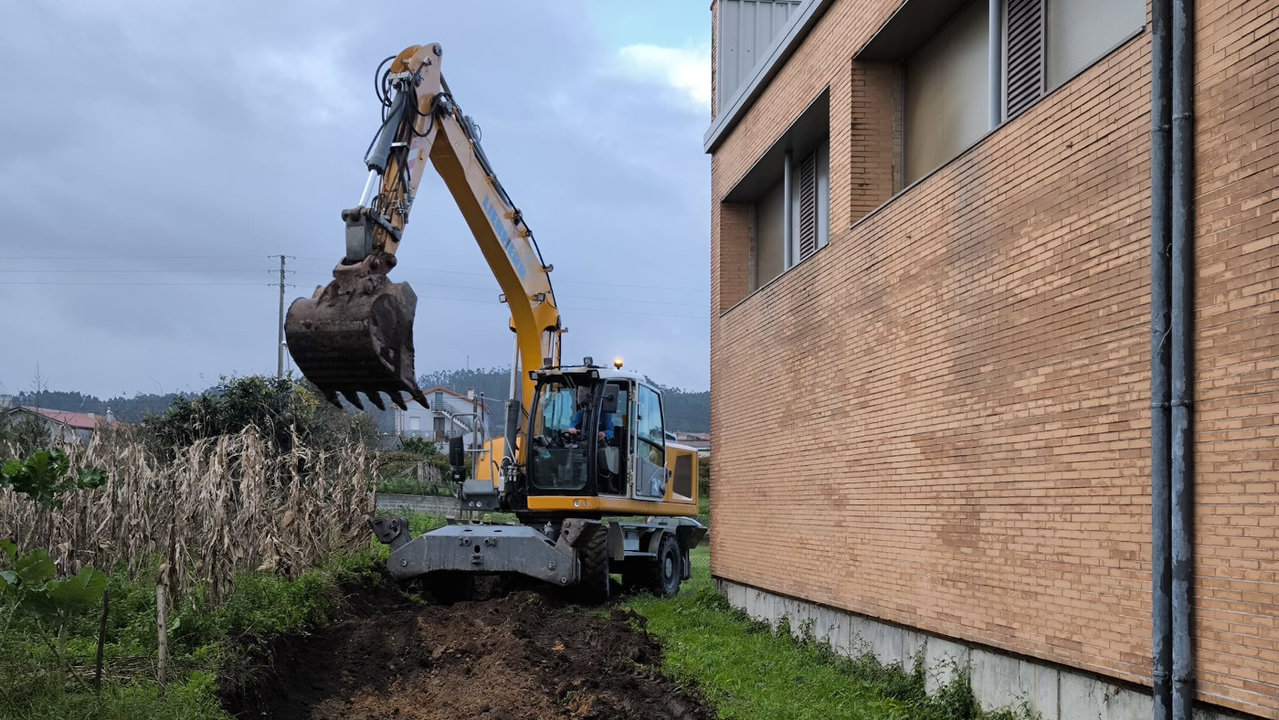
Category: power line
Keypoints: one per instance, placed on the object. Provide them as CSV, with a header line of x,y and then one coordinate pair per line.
x,y
96,271
133,283
447,271
123,258
411,268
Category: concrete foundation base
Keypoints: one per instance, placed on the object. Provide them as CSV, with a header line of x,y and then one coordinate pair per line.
x,y
998,680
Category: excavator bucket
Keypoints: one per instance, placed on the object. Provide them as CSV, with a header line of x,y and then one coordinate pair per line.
x,y
356,335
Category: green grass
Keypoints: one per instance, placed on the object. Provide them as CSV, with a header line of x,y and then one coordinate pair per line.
x,y
204,641
748,670
741,667
420,523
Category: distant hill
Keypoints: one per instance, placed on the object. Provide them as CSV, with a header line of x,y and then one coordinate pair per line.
x,y
686,411
128,409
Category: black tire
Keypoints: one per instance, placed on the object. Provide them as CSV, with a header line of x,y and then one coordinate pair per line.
x,y
594,584
667,572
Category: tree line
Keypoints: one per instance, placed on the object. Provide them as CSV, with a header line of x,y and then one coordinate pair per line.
x,y
686,410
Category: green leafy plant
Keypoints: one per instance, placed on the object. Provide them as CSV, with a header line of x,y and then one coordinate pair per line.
x,y
42,477
30,585
31,588
279,408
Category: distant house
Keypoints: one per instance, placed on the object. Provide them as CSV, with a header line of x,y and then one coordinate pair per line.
x,y
450,414
66,426
701,441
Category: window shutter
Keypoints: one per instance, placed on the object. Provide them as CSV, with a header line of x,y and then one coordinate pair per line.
x,y
807,208
1025,60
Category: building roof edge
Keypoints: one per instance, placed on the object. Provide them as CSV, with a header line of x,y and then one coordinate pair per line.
x,y
778,52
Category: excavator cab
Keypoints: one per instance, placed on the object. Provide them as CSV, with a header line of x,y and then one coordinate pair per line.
x,y
575,433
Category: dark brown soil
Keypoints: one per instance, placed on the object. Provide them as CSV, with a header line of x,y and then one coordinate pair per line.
x,y
523,655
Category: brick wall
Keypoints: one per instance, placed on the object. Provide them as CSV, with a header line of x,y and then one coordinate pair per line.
x,y
1237,354
958,385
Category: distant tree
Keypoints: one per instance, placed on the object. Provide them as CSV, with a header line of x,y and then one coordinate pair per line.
x,y
23,432
123,408
494,383
686,411
277,407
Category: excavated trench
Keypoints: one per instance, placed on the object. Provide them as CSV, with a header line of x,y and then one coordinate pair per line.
x,y
521,655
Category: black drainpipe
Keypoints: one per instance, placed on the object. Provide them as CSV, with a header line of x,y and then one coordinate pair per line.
x,y
1160,387
1182,314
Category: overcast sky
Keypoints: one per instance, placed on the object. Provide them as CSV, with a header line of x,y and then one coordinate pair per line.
x,y
155,153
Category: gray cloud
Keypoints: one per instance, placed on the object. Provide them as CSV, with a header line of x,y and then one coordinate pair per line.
x,y
163,150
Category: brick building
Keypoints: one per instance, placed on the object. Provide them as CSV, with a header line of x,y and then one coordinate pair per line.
x,y
931,257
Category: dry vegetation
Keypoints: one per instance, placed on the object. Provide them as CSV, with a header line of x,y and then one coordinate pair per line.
x,y
222,506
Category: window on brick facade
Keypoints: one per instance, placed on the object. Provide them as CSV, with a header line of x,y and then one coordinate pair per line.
x,y
770,237
803,153
944,47
947,86
776,250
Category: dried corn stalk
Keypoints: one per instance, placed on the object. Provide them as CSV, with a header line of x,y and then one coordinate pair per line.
x,y
235,503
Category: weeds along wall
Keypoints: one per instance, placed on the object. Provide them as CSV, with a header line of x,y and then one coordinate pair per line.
x,y
223,506
941,419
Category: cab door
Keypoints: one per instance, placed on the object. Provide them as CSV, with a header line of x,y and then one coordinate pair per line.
x,y
613,462
650,445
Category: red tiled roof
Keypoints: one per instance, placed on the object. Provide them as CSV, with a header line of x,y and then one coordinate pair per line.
x,y
77,420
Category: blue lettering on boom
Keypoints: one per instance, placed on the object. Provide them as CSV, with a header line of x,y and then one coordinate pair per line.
x,y
495,219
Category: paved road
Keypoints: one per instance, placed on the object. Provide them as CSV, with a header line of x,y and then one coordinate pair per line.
x,y
429,504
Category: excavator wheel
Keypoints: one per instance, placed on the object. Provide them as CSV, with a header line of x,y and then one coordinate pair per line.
x,y
667,572
594,584
356,335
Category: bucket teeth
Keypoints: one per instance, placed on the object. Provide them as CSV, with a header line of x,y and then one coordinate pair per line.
x,y
355,335
398,399
419,397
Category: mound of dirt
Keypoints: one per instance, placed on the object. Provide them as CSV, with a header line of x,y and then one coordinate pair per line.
x,y
519,656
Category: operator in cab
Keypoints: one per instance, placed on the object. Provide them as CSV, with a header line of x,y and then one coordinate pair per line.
x,y
579,420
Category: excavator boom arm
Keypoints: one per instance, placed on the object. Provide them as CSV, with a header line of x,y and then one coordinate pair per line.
x,y
422,125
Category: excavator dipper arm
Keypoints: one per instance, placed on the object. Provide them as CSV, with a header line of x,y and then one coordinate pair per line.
x,y
356,333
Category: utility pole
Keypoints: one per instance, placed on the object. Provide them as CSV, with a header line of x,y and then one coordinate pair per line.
x,y
279,345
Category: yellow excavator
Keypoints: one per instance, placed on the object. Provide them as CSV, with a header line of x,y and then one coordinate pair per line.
x,y
584,444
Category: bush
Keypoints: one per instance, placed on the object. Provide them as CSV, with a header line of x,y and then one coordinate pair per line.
x,y
703,475
398,471
23,432
277,407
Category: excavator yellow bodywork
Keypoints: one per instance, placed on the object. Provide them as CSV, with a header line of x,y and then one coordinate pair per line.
x,y
582,443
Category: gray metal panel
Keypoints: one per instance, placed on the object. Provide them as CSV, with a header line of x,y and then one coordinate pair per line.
x,y
486,549
798,23
747,28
